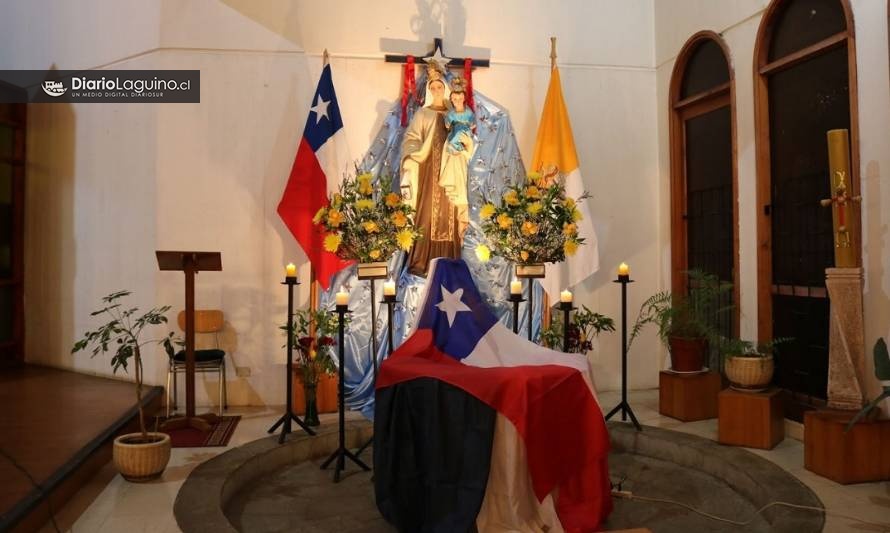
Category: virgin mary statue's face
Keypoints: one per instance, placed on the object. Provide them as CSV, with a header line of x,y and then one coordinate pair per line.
x,y
437,91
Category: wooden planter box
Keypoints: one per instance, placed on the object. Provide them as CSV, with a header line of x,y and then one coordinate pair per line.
x,y
326,393
688,397
751,419
857,456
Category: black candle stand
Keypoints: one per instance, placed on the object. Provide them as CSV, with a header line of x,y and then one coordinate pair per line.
x,y
516,299
289,416
341,453
624,407
566,308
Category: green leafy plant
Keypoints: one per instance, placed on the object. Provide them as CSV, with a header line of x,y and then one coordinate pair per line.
x,y
882,372
584,326
314,333
691,315
730,347
121,336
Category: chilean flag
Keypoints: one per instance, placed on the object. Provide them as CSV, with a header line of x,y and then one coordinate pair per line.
x,y
322,157
461,399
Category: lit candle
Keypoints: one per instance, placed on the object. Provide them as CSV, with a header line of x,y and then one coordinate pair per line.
x,y
291,270
342,297
515,287
389,288
623,269
565,296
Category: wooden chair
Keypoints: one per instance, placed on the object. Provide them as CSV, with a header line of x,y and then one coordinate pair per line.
x,y
209,360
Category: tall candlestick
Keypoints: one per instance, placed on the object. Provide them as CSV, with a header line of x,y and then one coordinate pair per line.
x,y
623,269
291,270
565,296
515,287
389,288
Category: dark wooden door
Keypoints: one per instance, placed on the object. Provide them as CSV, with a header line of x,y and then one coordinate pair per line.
x,y
12,193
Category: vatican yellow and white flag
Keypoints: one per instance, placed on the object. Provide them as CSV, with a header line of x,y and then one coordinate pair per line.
x,y
555,147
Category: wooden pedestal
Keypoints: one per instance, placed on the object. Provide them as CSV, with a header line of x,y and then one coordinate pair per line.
x,y
325,394
751,419
857,456
688,397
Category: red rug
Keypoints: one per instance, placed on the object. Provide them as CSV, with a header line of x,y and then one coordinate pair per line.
x,y
219,434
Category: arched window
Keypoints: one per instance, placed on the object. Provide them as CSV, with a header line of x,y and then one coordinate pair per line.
x,y
12,195
805,85
704,218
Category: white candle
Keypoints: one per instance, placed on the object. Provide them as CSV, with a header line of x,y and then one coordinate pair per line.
x,y
565,296
515,287
623,269
291,270
342,298
389,288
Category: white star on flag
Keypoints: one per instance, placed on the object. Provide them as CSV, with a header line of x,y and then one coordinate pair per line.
x,y
321,109
451,304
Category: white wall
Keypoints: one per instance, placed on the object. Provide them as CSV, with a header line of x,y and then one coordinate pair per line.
x,y
129,179
737,21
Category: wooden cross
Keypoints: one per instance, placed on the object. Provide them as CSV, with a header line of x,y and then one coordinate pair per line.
x,y
436,55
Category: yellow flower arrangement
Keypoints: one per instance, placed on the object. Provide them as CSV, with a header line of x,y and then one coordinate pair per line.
x,y
393,199
511,197
405,239
570,247
504,221
364,184
399,219
534,222
483,253
335,218
332,242
529,228
367,220
364,204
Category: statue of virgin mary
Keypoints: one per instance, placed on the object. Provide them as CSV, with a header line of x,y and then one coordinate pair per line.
x,y
441,221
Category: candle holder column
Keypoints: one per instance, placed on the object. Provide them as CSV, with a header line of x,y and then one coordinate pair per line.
x,y
566,308
624,406
289,415
341,453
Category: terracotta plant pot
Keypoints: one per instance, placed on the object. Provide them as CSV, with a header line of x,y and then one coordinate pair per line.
x,y
139,461
751,374
687,355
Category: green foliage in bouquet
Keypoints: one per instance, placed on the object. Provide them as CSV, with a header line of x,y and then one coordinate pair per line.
x,y
882,372
365,222
314,341
534,223
584,326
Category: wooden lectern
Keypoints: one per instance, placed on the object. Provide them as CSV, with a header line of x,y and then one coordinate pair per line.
x,y
190,263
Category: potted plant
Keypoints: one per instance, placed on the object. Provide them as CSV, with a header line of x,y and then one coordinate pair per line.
x,y
685,321
584,326
749,366
139,456
314,339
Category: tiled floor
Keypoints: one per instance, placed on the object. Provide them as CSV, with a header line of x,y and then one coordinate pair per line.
x,y
110,504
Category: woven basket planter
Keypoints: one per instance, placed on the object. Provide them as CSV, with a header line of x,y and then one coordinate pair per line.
x,y
138,461
752,374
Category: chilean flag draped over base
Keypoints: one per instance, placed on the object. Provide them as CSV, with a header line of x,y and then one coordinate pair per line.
x,y
477,427
321,157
